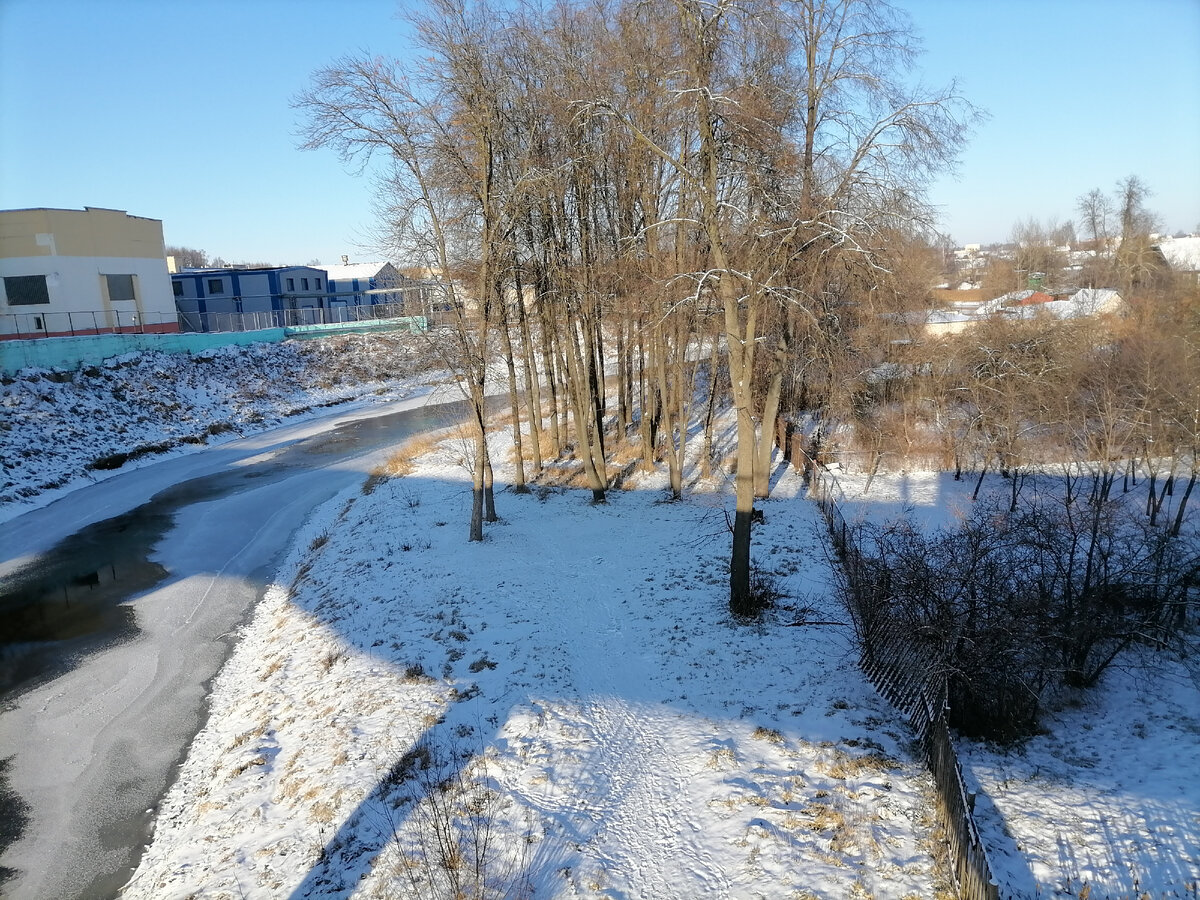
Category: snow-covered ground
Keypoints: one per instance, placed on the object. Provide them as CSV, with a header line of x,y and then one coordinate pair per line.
x,y
575,681
576,686
1107,798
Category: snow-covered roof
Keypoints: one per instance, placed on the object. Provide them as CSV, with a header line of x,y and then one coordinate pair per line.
x,y
354,270
947,317
1087,302
1004,301
1182,254
1028,304
1035,298
1080,305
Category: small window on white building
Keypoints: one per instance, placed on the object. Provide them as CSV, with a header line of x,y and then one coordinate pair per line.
x,y
216,286
26,290
291,284
120,288
318,283
304,284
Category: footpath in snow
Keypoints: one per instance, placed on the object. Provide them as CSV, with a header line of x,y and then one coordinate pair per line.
x,y
572,694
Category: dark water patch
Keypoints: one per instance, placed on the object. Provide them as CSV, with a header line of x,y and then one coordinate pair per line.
x,y
14,815
72,600
67,603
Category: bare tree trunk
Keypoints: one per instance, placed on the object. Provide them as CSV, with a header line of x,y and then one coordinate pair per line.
x,y
1183,502
650,404
1156,503
670,409
489,493
514,395
590,335
564,383
532,386
762,466
585,447
711,409
623,378
476,531
552,371
979,483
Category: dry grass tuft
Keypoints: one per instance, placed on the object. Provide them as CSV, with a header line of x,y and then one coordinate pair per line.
x,y
768,734
722,758
625,450
330,659
249,764
846,766
275,666
322,812
549,449
403,461
824,817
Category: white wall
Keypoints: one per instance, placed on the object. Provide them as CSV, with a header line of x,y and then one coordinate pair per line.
x,y
77,287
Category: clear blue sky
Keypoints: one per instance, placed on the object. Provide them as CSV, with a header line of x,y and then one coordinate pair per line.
x,y
179,110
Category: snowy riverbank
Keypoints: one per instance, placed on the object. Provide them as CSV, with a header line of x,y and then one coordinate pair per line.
x,y
61,429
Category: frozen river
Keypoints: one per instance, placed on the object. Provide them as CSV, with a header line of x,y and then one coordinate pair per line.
x,y
118,604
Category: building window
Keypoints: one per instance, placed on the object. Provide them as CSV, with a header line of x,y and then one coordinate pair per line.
x,y
120,288
318,283
26,290
304,284
177,287
216,286
291,282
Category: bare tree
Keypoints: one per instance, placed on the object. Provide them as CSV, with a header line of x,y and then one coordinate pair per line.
x,y
189,258
363,106
1095,213
741,156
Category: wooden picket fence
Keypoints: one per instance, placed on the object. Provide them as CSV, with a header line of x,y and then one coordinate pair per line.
x,y
908,678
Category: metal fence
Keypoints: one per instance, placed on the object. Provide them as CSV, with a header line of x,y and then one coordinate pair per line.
x,y
901,672
66,324
29,325
293,318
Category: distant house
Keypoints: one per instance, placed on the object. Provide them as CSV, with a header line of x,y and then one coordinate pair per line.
x,y
378,285
1182,254
82,271
940,322
234,298
1089,303
1028,305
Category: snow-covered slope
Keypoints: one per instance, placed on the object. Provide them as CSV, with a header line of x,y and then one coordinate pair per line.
x,y
60,427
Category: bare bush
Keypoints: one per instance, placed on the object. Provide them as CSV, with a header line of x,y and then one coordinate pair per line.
x,y
1013,604
445,822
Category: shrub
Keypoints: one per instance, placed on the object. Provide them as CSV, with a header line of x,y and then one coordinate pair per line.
x,y
1012,604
